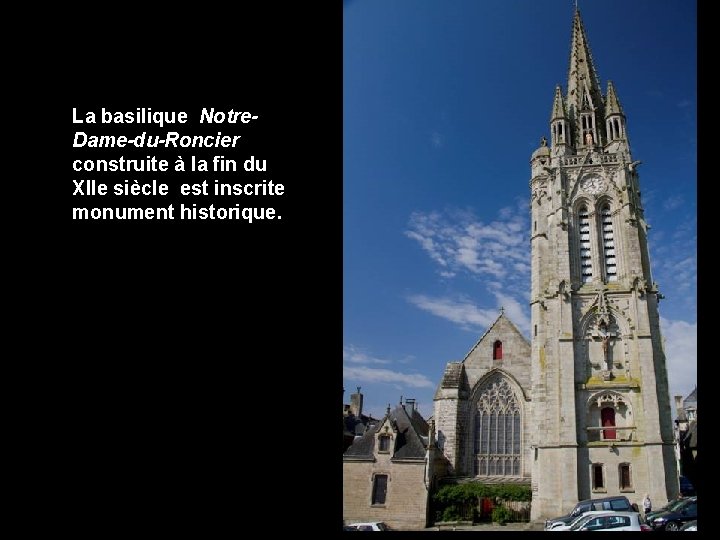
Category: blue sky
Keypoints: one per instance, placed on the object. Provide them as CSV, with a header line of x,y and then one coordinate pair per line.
x,y
444,102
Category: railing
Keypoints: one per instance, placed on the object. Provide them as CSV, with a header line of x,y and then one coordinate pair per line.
x,y
579,160
595,433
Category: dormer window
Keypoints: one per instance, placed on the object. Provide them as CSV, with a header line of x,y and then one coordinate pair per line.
x,y
384,443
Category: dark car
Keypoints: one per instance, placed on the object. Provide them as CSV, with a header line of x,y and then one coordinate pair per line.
x,y
672,520
672,505
686,487
617,504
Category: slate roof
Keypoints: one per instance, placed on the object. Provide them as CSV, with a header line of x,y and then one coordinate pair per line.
x,y
453,375
355,425
692,398
411,436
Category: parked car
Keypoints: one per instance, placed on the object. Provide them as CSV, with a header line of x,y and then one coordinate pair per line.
x,y
370,526
672,505
686,487
558,526
672,520
613,521
618,504
690,526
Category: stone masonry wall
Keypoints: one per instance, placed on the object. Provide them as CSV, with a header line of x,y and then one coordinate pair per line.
x,y
405,505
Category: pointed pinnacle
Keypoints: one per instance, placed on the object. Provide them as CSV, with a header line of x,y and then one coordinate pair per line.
x,y
612,104
558,110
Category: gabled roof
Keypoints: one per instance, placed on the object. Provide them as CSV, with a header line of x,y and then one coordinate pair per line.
x,y
692,397
411,436
503,317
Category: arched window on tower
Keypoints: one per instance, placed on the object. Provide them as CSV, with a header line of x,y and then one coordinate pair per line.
x,y
497,350
608,244
585,257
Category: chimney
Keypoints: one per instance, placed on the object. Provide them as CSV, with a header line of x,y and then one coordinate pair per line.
x,y
678,403
409,406
356,403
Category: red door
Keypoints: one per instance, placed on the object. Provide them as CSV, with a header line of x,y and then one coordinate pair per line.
x,y
486,506
607,416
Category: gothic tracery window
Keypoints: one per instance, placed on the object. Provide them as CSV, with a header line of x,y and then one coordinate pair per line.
x,y
497,428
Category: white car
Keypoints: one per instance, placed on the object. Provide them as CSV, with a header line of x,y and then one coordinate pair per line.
x,y
612,521
559,526
369,526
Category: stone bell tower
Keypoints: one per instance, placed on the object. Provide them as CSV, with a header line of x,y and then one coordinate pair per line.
x,y
600,402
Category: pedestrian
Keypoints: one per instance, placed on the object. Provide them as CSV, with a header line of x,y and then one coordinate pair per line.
x,y
647,505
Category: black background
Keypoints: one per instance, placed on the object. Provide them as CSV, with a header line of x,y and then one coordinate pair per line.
x,y
204,355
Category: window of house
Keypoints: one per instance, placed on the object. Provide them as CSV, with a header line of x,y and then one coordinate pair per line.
x,y
607,417
598,478
625,478
585,257
379,489
497,350
384,445
497,431
608,245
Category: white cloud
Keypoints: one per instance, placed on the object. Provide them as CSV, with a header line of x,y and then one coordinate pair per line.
x,y
494,253
515,312
458,241
356,356
378,375
674,262
681,355
462,311
673,202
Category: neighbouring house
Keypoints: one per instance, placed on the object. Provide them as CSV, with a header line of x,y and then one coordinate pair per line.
x,y
355,423
388,471
686,423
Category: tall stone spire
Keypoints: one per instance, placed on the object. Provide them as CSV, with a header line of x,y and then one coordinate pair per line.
x,y
583,88
591,295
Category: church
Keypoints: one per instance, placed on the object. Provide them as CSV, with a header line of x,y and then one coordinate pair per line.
x,y
582,410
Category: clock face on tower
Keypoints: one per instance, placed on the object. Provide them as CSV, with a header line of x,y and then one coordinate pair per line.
x,y
593,185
